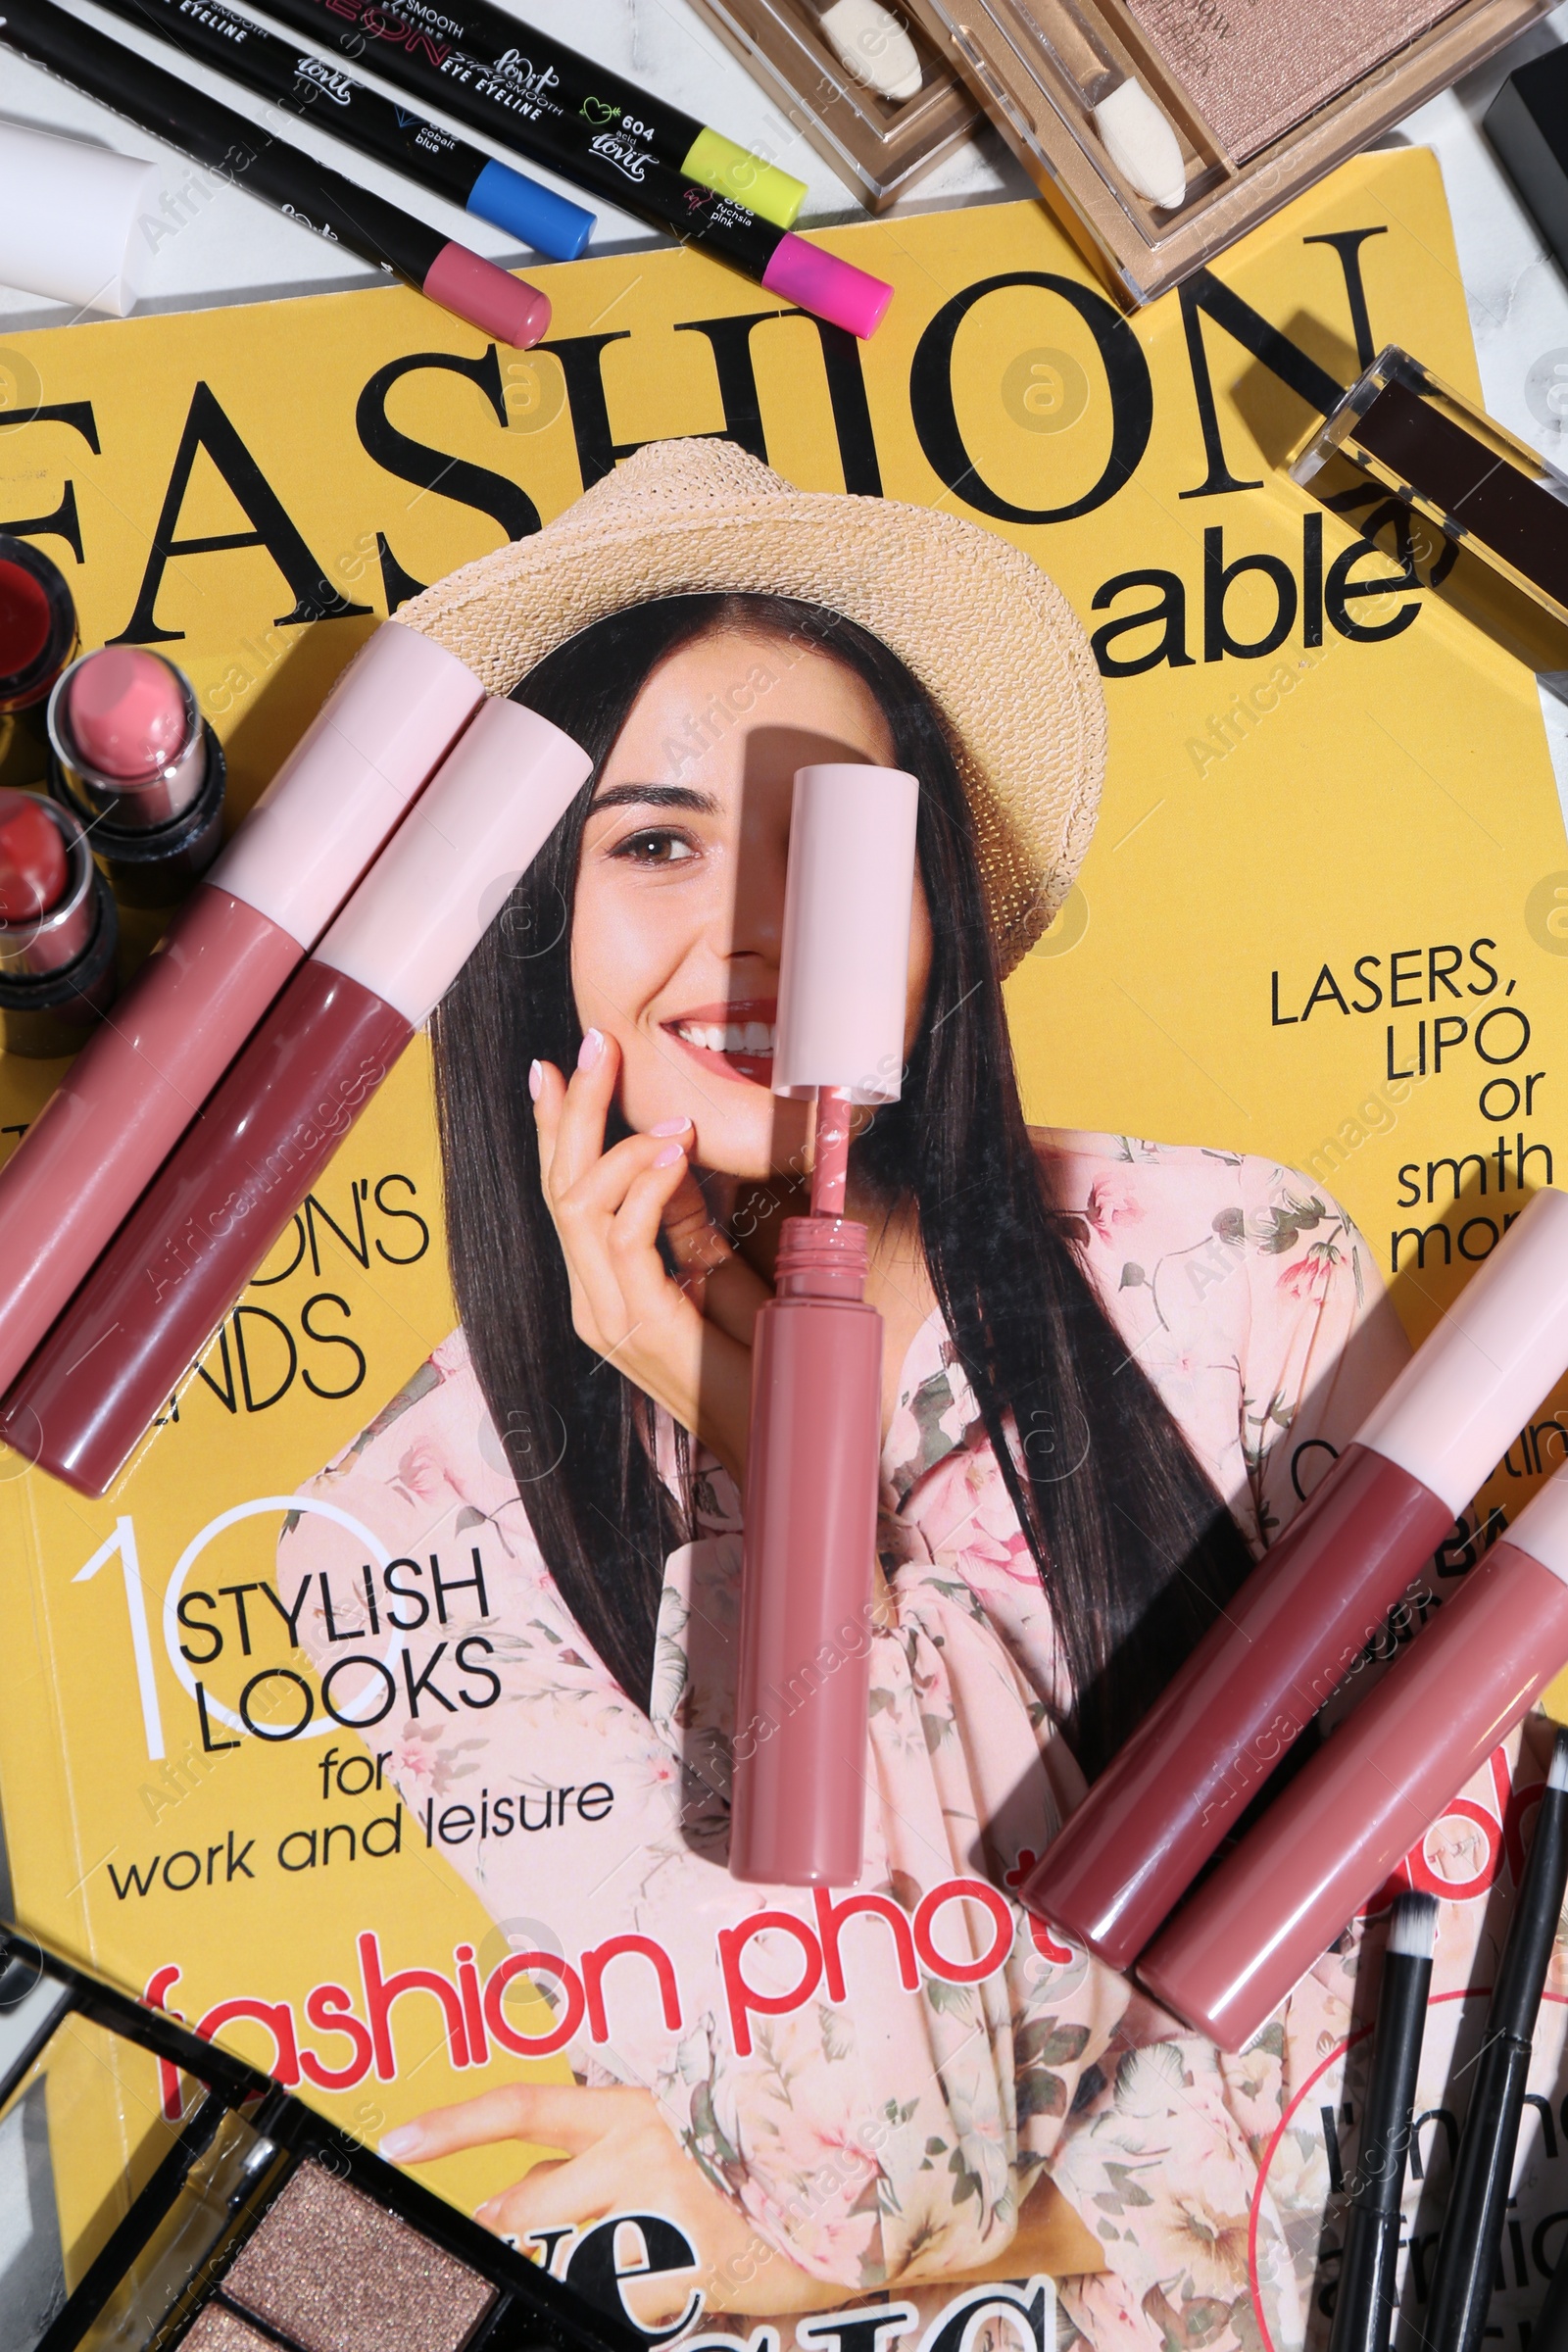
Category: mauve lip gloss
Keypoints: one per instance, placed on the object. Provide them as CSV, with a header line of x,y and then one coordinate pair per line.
x,y
813,1459
153,1302
139,1080
1296,1626
1329,1842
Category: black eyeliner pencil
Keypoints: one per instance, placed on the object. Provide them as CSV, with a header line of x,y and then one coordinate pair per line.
x,y
436,158
1364,2298
471,288
1472,2227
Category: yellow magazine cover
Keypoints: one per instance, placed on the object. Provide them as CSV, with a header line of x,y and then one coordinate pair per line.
x,y
379,1719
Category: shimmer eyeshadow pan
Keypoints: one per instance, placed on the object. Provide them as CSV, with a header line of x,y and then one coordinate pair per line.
x,y
334,2272
1256,68
244,2222
220,2330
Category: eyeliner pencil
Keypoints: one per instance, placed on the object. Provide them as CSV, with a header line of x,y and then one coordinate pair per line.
x,y
583,91
437,160
224,142
1472,2227
1364,2298
524,103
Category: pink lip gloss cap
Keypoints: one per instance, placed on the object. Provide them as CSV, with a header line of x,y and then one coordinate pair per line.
x,y
349,780
128,712
831,289
488,297
843,974
1542,1526
1500,1347
448,871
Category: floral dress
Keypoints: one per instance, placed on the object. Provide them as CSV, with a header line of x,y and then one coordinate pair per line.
x,y
885,2139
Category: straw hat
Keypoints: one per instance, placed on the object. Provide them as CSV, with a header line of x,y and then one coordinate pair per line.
x,y
993,641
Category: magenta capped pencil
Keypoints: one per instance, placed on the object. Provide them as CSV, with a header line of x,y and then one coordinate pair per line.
x,y
209,1220
140,1080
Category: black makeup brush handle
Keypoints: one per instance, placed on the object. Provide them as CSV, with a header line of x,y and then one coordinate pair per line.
x,y
1364,2295
1472,2227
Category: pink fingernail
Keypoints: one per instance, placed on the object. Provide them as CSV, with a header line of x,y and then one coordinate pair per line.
x,y
536,1078
671,1127
668,1156
588,1053
403,2141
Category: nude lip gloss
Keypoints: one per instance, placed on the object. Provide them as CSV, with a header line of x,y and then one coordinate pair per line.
x,y
136,1086
1375,1788
813,1459
1296,1628
134,761
58,930
150,1307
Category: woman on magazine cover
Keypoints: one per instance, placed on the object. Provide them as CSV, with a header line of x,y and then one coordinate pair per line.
x,y
1112,1371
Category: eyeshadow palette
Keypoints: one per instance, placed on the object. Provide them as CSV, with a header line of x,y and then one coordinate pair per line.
x,y
156,2192
860,79
1173,126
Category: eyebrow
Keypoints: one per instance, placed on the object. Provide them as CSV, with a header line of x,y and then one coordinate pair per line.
x,y
656,796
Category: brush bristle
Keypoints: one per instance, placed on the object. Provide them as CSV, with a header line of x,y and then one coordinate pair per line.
x,y
1413,1928
1557,1775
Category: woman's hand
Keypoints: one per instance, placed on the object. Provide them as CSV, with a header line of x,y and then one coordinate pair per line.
x,y
621,2157
686,1342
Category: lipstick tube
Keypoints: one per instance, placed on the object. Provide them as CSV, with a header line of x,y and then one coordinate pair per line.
x,y
149,1308
1303,1618
57,966
108,1128
134,759
37,638
814,1458
1374,1790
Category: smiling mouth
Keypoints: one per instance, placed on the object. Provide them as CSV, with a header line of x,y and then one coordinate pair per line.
x,y
736,1041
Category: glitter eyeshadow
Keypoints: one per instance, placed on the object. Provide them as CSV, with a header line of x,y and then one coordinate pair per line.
x,y
1255,69
334,2271
218,2330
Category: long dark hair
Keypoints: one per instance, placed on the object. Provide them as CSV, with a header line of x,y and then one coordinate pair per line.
x,y
1133,1545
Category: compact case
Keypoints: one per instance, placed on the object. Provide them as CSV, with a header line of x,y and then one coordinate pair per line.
x,y
1262,101
156,2191
858,79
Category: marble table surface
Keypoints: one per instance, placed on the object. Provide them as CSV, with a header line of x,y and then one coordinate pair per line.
x,y
230,248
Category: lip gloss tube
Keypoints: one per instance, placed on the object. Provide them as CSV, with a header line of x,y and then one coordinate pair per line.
x,y
135,763
149,1308
1299,1622
58,930
135,1087
814,1458
1374,1790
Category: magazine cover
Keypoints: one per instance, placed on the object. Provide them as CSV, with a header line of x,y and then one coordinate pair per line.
x,y
380,1720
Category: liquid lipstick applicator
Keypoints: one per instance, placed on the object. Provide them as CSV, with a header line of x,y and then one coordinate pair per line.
x,y
813,1459
196,1237
1332,1839
1297,1626
134,1090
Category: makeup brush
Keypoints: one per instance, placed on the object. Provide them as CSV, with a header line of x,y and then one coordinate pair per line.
x,y
1472,2227
1136,137
1365,2297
